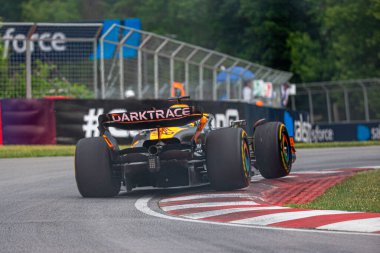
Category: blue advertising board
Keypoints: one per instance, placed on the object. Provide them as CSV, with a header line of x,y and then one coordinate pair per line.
x,y
65,40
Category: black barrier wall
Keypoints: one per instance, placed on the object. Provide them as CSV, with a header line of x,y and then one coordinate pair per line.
x,y
345,132
27,121
24,121
77,119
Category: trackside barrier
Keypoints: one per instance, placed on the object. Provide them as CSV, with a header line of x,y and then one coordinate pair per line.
x,y
78,118
28,121
67,121
345,101
361,131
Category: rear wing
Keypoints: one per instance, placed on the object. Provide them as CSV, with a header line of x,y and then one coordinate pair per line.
x,y
147,119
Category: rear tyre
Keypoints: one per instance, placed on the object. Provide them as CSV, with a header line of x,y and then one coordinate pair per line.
x,y
272,150
93,170
228,159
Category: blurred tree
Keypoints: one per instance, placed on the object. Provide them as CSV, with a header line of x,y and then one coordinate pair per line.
x,y
11,10
345,45
93,9
123,9
317,40
269,26
50,10
355,37
226,26
184,20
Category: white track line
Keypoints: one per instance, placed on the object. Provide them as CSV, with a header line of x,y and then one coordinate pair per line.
x,y
229,203
279,217
207,214
205,196
142,205
361,225
257,178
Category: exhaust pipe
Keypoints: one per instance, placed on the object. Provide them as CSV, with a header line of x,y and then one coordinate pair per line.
x,y
154,150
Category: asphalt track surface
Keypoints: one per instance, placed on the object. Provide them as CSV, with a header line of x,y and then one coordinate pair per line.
x,y
42,211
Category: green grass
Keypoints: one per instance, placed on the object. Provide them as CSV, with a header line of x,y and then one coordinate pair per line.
x,y
18,151
13,151
337,144
358,193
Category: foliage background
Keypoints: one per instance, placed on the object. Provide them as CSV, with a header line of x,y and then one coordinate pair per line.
x,y
317,40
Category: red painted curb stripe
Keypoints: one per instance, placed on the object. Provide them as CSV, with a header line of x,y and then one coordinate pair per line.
x,y
321,220
205,200
248,214
208,208
300,192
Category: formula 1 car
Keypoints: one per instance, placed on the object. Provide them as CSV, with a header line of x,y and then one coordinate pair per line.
x,y
178,146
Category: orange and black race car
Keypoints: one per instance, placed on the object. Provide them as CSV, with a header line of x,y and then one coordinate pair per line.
x,y
178,146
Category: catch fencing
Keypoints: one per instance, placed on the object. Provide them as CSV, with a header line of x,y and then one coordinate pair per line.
x,y
86,61
148,69
48,59
339,101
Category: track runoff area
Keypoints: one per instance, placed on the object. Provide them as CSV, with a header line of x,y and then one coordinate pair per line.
x,y
263,204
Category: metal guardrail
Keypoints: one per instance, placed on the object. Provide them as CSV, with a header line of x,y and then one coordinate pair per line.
x,y
38,59
339,101
41,59
160,61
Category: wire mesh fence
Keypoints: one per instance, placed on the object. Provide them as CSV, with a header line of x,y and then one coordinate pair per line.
x,y
147,65
73,60
40,59
339,101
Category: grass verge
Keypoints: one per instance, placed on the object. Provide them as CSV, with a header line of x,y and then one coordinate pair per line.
x,y
13,151
358,193
17,151
337,144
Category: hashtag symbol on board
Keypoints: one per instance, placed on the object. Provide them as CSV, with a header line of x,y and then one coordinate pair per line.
x,y
91,122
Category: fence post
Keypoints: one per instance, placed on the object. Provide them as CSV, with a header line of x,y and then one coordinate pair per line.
x,y
258,71
311,109
328,103
214,83
28,61
201,74
95,64
365,94
102,70
102,65
172,62
240,83
293,100
156,81
346,102
120,46
187,86
121,71
229,79
139,66
94,68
